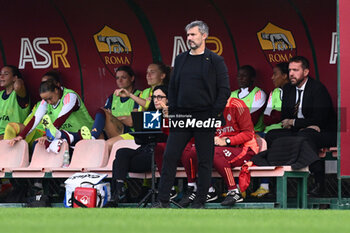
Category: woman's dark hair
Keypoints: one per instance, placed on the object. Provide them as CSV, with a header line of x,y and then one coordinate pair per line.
x,y
163,88
165,70
128,70
53,75
250,71
284,67
49,85
15,71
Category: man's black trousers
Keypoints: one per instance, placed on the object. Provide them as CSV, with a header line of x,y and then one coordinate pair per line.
x,y
177,140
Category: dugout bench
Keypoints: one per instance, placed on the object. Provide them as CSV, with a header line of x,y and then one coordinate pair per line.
x,y
282,174
91,156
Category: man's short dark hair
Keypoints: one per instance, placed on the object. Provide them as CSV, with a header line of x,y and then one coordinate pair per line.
x,y
304,62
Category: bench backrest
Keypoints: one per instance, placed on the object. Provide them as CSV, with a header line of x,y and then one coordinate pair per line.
x,y
120,144
89,153
13,156
43,159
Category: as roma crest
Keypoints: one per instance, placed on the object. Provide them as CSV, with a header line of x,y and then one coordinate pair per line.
x,y
114,48
277,44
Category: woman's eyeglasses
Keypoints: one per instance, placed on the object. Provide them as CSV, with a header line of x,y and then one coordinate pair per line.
x,y
158,97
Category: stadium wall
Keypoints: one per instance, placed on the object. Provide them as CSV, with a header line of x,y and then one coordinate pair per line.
x,y
73,37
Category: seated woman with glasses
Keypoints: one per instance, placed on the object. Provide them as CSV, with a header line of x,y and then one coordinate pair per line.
x,y
139,160
157,74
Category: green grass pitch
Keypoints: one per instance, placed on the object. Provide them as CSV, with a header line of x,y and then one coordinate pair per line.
x,y
26,220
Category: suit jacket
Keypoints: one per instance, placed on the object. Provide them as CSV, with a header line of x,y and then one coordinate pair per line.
x,y
294,150
215,78
317,106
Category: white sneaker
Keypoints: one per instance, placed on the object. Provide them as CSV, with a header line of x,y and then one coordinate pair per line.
x,y
212,196
232,197
55,146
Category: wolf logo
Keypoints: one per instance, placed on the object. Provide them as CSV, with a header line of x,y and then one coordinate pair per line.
x,y
114,40
278,39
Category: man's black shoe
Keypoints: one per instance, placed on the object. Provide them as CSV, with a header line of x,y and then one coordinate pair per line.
x,y
118,196
111,204
188,198
317,191
232,198
197,204
160,204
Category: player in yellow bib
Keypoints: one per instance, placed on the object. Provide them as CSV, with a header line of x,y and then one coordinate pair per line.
x,y
114,119
14,104
14,99
157,74
13,129
63,107
112,122
254,97
272,114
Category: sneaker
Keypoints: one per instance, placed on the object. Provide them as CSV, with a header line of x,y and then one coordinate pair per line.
x,y
111,204
188,197
317,191
37,188
173,193
55,146
260,192
46,121
118,196
50,129
212,196
160,204
85,133
232,198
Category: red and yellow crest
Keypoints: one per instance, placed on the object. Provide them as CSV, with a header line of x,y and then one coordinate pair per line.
x,y
277,43
114,48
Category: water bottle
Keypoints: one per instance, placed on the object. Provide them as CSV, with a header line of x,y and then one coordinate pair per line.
x,y
66,159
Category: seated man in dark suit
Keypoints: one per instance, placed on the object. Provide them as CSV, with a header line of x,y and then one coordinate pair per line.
x,y
307,111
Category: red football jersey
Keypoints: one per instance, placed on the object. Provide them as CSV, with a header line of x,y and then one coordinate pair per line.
x,y
239,127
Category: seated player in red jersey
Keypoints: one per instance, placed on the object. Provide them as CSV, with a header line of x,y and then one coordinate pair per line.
x,y
235,144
